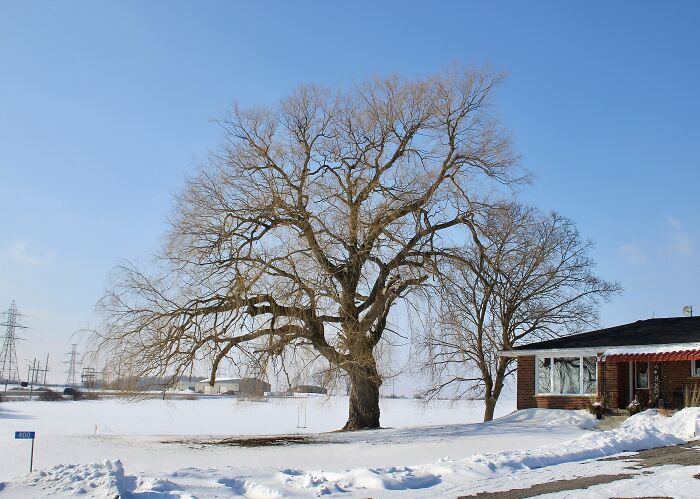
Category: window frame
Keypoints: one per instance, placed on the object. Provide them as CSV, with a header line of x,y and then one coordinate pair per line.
x,y
695,368
636,375
581,375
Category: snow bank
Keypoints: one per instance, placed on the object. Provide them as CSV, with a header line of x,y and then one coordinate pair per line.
x,y
549,417
684,423
105,479
643,431
394,478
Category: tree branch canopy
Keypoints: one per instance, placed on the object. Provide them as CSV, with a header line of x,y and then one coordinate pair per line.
x,y
524,276
312,220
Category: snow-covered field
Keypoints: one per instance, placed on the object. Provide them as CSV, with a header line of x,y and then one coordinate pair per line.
x,y
157,448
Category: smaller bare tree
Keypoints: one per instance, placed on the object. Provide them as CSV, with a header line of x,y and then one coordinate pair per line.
x,y
526,276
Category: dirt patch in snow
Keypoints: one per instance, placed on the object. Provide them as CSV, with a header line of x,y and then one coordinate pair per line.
x,y
683,455
552,487
264,441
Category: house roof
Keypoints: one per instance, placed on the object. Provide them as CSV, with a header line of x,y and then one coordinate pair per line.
x,y
651,353
222,380
669,330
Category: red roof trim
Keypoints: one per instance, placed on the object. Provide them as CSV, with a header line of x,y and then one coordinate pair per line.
x,y
655,357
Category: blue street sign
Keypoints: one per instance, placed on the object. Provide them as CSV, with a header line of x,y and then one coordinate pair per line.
x,y
28,435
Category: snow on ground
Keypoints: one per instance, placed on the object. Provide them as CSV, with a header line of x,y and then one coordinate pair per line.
x,y
441,451
227,415
666,481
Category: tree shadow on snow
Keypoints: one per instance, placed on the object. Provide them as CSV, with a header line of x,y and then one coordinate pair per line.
x,y
10,414
517,423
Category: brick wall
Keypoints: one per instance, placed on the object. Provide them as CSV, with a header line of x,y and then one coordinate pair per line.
x,y
570,402
526,383
613,383
674,379
608,382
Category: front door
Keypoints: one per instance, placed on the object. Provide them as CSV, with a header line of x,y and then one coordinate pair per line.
x,y
641,382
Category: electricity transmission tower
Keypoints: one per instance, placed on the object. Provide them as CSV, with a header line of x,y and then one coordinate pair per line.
x,y
9,369
72,379
89,377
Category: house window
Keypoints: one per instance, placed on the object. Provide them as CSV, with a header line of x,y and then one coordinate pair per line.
x,y
590,375
566,375
544,375
695,368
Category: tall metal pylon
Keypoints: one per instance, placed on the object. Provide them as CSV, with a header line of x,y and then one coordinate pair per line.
x,y
9,369
72,379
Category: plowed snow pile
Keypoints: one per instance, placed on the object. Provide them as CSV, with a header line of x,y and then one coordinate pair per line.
x,y
104,479
107,479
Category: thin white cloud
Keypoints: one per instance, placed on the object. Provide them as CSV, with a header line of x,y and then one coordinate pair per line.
x,y
633,254
43,314
19,253
679,241
674,223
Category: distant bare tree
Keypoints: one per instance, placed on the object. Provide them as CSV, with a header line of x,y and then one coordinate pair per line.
x,y
526,276
315,218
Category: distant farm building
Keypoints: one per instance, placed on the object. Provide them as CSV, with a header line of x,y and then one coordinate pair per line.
x,y
188,384
234,386
308,389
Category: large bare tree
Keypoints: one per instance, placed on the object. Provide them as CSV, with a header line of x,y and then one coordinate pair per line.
x,y
315,217
525,276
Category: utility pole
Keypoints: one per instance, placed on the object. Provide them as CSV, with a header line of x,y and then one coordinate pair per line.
x,y
37,370
9,368
33,371
46,368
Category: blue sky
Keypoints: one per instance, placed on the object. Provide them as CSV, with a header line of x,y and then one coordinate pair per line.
x,y
106,106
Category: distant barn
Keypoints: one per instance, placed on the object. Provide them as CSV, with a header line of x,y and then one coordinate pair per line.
x,y
235,386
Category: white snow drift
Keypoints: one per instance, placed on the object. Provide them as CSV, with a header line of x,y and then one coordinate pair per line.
x,y
190,471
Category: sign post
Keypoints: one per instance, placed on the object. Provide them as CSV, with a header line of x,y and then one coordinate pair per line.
x,y
23,435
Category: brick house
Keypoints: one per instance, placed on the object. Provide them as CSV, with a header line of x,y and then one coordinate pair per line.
x,y
656,361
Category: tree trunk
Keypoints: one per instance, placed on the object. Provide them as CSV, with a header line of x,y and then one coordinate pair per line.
x,y
364,403
490,406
